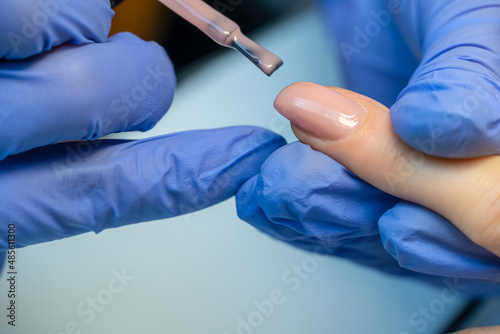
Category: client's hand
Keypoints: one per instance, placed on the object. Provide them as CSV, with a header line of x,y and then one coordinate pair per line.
x,y
356,131
305,198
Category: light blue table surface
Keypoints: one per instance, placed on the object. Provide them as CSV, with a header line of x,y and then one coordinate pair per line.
x,y
205,272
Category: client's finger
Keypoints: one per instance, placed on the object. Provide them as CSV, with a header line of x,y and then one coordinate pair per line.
x,y
357,132
63,190
481,330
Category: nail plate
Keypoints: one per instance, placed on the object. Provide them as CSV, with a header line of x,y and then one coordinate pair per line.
x,y
319,110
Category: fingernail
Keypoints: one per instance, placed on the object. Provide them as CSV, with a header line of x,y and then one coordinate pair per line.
x,y
319,110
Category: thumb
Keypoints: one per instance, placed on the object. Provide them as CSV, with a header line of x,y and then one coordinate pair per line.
x,y
450,106
357,132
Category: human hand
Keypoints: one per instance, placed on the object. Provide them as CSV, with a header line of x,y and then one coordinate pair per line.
x,y
311,201
70,82
439,57
434,63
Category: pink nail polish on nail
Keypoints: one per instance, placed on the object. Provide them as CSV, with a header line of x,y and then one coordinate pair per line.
x,y
319,110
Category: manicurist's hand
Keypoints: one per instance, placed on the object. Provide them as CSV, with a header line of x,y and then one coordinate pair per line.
x,y
435,64
481,330
62,79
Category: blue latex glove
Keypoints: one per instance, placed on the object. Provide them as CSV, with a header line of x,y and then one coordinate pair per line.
x,y
442,58
87,88
437,63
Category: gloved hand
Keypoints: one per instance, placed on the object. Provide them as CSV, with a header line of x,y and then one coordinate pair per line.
x,y
437,63
442,58
87,88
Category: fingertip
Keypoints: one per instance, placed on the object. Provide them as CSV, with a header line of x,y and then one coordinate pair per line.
x,y
218,162
443,119
31,27
85,92
251,139
146,86
246,204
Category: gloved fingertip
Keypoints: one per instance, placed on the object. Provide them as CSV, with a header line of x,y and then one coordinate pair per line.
x,y
31,27
224,159
423,241
441,118
252,140
93,90
148,93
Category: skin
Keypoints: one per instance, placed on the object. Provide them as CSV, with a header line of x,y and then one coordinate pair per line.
x,y
467,192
